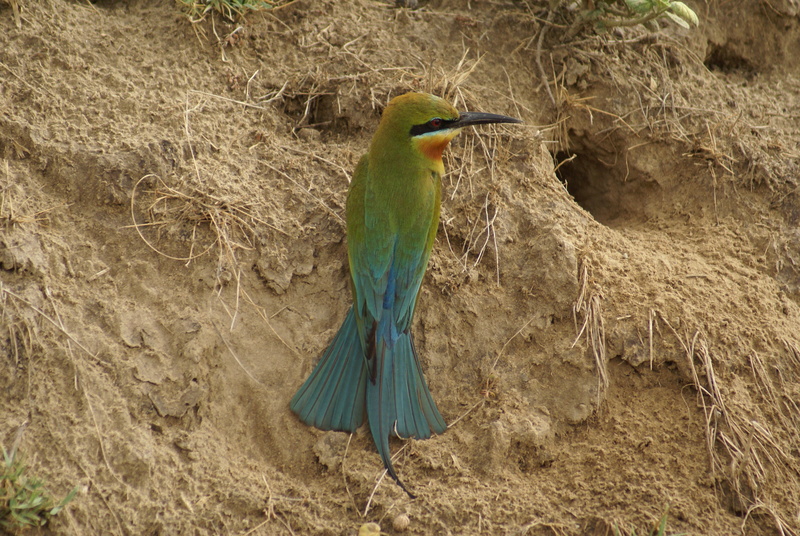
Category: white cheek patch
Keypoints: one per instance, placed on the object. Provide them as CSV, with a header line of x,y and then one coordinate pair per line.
x,y
444,135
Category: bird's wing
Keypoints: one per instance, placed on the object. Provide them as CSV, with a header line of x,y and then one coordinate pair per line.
x,y
370,246
413,250
388,260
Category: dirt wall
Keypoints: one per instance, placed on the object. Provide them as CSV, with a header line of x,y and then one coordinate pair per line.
x,y
607,336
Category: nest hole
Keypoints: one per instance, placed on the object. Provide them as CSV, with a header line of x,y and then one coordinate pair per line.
x,y
612,194
726,60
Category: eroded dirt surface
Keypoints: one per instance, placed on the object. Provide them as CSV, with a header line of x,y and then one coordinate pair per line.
x,y
606,341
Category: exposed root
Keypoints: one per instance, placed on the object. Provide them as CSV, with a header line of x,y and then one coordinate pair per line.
x,y
588,307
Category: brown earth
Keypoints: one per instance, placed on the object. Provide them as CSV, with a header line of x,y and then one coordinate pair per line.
x,y
607,341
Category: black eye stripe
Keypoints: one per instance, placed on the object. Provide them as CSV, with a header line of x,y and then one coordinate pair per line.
x,y
424,128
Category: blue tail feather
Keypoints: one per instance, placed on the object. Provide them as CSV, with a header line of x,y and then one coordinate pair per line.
x,y
423,396
399,402
341,392
333,396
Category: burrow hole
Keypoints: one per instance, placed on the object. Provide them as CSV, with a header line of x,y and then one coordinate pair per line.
x,y
613,193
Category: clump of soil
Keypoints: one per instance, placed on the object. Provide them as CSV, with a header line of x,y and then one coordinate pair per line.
x,y
609,322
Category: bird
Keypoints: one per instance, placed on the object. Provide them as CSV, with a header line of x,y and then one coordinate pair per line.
x,y
371,369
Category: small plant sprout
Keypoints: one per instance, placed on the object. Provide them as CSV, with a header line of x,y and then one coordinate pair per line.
x,y
24,501
608,14
659,530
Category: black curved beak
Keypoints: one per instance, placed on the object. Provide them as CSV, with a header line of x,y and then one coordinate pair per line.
x,y
466,119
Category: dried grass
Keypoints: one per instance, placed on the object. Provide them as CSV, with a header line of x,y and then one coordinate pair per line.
x,y
233,227
588,311
463,162
16,207
746,449
728,143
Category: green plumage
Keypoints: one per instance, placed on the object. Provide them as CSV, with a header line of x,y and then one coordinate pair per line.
x,y
392,217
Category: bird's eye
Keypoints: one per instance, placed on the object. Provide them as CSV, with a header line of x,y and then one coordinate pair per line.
x,y
436,122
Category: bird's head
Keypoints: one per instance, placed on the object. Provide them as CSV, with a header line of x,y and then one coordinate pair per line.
x,y
428,122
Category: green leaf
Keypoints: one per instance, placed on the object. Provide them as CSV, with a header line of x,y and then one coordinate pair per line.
x,y
60,506
684,12
24,500
677,20
639,6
